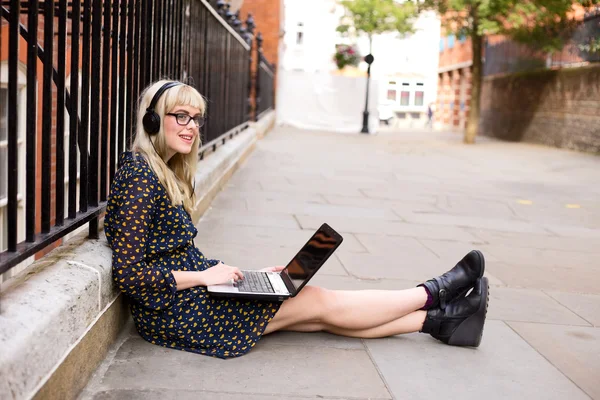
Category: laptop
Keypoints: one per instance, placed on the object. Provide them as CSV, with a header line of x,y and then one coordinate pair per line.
x,y
278,286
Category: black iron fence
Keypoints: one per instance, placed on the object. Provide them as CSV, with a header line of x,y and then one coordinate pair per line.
x,y
582,48
265,81
97,56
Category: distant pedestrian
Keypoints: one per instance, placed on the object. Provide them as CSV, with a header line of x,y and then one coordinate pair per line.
x,y
430,115
156,264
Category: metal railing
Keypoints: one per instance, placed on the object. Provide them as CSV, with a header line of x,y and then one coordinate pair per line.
x,y
265,81
96,57
582,48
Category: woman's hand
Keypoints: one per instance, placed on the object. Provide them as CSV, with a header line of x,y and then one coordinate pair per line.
x,y
277,268
221,273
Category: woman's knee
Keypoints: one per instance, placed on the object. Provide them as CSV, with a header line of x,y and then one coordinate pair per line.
x,y
316,294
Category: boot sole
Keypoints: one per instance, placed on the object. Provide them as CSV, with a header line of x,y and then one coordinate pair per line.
x,y
470,331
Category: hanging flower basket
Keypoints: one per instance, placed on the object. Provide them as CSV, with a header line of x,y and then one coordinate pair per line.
x,y
346,55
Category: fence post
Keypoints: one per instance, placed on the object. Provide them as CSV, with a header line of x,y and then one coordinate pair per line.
x,y
250,25
259,58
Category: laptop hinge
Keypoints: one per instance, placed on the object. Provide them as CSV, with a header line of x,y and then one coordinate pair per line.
x,y
288,282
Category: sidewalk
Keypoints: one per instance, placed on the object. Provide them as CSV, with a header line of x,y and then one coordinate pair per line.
x,y
409,205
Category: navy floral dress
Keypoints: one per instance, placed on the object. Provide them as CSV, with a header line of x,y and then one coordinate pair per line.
x,y
150,238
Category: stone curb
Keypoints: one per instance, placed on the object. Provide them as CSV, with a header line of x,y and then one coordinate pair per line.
x,y
47,310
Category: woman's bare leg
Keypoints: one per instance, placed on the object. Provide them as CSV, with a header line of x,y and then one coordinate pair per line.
x,y
346,310
412,322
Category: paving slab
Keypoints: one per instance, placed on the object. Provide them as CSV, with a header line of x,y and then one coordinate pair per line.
x,y
573,350
179,394
544,257
497,224
363,201
560,278
533,241
587,306
415,366
264,196
359,225
510,304
467,205
285,370
231,218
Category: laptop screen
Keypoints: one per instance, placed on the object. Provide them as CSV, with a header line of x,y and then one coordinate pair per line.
x,y
312,256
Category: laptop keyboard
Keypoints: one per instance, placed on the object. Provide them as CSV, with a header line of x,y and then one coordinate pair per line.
x,y
255,282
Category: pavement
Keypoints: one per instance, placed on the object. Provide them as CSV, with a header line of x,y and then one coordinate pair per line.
x,y
409,205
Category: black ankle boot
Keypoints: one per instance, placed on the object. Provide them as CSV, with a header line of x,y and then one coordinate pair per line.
x,y
461,323
456,282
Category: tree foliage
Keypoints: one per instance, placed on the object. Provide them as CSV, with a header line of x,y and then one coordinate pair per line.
x,y
541,24
372,17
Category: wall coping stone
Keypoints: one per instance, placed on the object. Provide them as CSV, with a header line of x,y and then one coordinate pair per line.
x,y
47,309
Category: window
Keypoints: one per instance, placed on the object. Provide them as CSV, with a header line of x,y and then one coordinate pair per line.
x,y
419,84
419,96
405,84
404,98
441,44
462,38
450,41
299,33
391,94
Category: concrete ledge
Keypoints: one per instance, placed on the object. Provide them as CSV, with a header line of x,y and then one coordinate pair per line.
x,y
59,316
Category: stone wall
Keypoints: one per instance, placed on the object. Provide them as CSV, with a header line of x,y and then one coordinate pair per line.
x,y
552,107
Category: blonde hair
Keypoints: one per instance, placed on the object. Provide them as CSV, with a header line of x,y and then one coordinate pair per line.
x,y
177,174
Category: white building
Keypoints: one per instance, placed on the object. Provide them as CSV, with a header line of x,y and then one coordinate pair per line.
x,y
403,76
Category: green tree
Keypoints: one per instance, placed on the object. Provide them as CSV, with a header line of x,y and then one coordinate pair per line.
x,y
541,24
372,17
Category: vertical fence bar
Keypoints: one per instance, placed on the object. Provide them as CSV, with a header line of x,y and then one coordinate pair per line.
x,y
167,38
13,127
105,110
178,40
47,113
148,49
129,116
74,107
207,63
136,57
85,108
157,42
95,109
122,48
32,50
113,87
225,78
60,113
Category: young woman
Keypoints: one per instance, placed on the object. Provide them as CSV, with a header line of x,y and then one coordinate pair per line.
x,y
164,276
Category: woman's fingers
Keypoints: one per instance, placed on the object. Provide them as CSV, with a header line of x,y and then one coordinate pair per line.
x,y
237,274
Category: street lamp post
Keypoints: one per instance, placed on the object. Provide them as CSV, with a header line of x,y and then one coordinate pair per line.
x,y
365,126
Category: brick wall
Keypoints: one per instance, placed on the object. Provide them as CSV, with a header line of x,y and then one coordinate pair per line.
x,y
267,17
552,107
461,52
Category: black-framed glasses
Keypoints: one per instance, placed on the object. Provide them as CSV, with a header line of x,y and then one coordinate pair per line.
x,y
184,119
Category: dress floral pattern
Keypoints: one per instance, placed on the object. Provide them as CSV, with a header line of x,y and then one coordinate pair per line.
x,y
150,238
